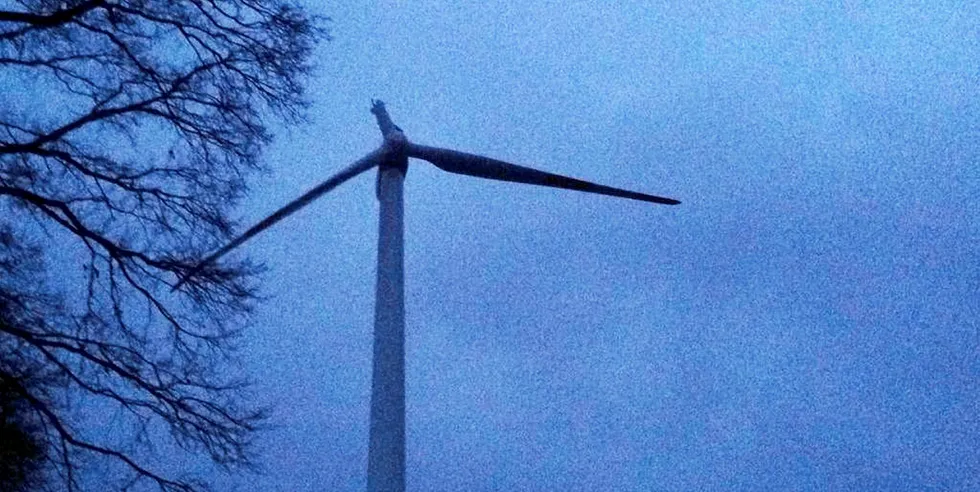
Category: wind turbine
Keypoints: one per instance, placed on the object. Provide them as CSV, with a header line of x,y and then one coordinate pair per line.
x,y
386,447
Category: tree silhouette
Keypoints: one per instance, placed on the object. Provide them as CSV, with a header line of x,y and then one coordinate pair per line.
x,y
22,443
126,130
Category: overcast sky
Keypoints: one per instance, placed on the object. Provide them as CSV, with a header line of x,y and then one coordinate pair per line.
x,y
807,319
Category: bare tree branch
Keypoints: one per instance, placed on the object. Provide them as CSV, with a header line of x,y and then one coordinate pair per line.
x,y
160,115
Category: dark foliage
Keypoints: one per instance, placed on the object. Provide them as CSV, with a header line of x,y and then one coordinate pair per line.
x,y
22,451
126,130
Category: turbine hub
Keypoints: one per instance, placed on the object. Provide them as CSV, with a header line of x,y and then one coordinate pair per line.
x,y
395,141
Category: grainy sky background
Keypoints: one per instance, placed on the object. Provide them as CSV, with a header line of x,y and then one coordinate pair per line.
x,y
807,319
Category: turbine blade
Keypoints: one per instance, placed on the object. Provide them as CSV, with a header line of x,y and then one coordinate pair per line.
x,y
485,167
363,164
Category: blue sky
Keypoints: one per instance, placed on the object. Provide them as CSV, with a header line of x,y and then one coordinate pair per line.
x,y
806,320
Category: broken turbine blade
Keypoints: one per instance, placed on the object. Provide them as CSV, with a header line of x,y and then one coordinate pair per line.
x,y
363,164
485,167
